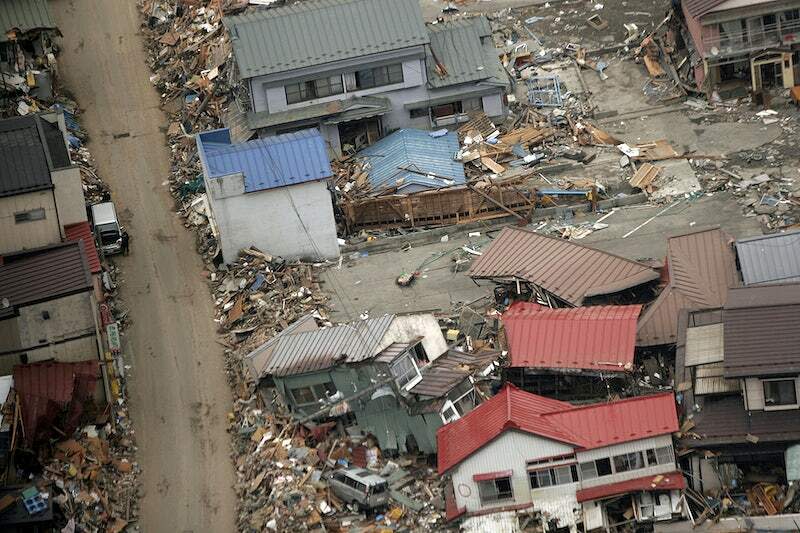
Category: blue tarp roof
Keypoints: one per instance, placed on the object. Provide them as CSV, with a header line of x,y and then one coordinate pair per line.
x,y
266,163
418,150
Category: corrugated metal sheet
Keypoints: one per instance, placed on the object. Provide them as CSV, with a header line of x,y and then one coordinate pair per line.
x,y
321,349
450,369
458,45
44,274
314,33
267,163
363,106
704,344
82,231
762,331
417,150
391,352
24,15
586,427
257,360
724,420
570,271
709,379
671,481
701,267
588,338
770,259
698,8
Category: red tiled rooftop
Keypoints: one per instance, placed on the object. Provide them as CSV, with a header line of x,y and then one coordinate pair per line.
x,y
83,232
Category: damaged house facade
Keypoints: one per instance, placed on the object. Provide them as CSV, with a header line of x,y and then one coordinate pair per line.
x,y
751,44
582,465
390,377
271,193
739,369
373,66
27,56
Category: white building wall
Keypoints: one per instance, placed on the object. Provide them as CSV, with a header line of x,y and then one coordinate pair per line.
x,y
33,234
292,222
493,104
510,451
627,447
406,328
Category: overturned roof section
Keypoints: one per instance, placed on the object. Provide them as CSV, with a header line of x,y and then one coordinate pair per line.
x,y
762,331
465,48
355,108
569,271
770,258
671,481
268,163
587,427
313,33
44,274
701,268
24,15
600,338
428,160
323,348
450,369
30,147
257,359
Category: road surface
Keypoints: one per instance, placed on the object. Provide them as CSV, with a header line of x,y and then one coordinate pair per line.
x,y
179,397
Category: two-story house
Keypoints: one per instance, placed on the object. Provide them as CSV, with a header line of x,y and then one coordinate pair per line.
x,y
753,44
356,69
27,56
575,464
739,371
40,188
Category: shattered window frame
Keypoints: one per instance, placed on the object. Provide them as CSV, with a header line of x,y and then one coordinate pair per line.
x,y
31,215
465,389
409,375
774,398
495,490
317,391
626,462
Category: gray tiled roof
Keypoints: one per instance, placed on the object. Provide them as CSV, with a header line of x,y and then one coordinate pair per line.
x,y
770,259
24,15
318,32
26,144
323,348
465,47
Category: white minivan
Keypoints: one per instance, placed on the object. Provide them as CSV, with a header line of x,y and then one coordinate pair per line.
x,y
107,228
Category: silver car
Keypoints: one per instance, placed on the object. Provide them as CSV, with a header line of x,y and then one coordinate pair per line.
x,y
362,487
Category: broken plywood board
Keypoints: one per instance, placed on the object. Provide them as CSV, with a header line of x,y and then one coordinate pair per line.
x,y
492,165
644,176
656,151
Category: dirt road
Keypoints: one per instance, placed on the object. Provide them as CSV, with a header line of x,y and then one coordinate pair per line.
x,y
179,396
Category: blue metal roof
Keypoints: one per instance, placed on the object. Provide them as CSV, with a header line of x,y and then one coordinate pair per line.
x,y
267,163
418,150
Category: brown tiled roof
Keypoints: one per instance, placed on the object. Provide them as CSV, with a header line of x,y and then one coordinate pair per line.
x,y
762,331
450,369
702,265
44,274
570,271
725,421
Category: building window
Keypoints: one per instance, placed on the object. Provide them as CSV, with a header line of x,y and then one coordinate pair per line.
x,y
29,216
628,461
313,394
422,112
559,475
405,371
309,90
780,393
459,107
460,401
597,468
378,76
495,490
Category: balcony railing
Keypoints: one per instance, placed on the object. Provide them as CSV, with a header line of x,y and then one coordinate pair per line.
x,y
768,36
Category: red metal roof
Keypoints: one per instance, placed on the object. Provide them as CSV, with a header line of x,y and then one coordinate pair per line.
x,y
586,427
702,266
570,271
588,338
671,481
81,231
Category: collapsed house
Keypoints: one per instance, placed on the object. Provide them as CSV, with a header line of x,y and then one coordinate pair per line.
x,y
27,49
372,67
751,45
700,267
573,353
737,369
390,377
595,465
270,193
559,273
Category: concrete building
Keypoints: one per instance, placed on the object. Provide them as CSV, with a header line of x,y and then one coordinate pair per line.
x,y
357,69
576,465
47,307
270,193
40,188
753,44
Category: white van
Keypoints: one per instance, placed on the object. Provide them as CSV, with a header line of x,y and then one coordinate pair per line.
x,y
107,228
360,486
